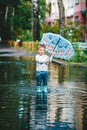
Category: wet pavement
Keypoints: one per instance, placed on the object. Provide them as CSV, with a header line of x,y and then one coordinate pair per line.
x,y
6,50
15,52
64,107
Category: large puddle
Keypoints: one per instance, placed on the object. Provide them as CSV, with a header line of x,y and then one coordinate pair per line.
x,y
64,107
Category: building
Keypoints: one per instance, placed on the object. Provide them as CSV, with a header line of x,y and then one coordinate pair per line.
x,y
75,10
53,14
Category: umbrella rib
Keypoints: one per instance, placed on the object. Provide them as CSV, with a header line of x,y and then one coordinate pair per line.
x,y
56,44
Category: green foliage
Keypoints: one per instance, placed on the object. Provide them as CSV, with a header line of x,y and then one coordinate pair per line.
x,y
24,35
23,19
49,28
23,16
19,21
18,17
80,54
42,10
72,32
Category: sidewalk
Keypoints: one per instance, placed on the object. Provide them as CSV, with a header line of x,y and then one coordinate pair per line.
x,y
6,50
15,52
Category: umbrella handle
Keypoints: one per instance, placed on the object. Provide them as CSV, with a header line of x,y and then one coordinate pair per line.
x,y
51,56
56,44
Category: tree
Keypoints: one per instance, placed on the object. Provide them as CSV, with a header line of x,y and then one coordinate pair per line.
x,y
23,15
7,11
61,14
38,15
14,16
35,20
86,23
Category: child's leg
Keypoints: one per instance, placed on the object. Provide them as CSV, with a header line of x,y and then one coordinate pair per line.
x,y
38,81
45,81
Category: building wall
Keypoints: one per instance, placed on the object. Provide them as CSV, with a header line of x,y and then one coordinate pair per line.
x,y
54,15
79,10
54,9
74,10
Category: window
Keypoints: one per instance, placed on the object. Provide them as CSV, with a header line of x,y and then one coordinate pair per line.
x,y
70,3
76,1
77,20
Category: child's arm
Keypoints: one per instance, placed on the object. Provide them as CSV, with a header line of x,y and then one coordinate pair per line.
x,y
49,59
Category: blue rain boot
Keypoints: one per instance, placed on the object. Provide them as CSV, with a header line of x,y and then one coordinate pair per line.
x,y
45,89
38,89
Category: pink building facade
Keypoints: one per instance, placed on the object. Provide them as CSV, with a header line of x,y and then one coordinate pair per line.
x,y
75,10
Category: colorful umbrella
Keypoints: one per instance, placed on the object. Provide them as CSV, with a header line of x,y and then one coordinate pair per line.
x,y
62,47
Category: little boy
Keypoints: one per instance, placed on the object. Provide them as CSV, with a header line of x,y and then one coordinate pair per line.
x,y
42,61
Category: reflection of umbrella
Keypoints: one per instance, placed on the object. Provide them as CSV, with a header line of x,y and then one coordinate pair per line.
x,y
54,42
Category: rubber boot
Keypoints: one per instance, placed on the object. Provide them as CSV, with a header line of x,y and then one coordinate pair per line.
x,y
38,89
45,89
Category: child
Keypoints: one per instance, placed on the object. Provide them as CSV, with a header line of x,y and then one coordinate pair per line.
x,y
42,61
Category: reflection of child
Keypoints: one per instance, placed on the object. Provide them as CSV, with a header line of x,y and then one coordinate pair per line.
x,y
42,61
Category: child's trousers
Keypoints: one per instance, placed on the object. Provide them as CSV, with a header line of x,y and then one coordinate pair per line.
x,y
42,76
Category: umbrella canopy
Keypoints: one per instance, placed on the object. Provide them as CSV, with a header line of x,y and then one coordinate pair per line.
x,y
62,47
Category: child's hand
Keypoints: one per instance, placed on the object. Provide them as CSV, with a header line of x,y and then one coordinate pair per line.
x,y
47,60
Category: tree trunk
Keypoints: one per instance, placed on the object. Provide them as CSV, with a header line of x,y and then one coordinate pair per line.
x,y
86,24
35,17
61,14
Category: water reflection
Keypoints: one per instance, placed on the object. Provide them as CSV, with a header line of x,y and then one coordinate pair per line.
x,y
67,96
41,112
24,113
64,107
58,73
